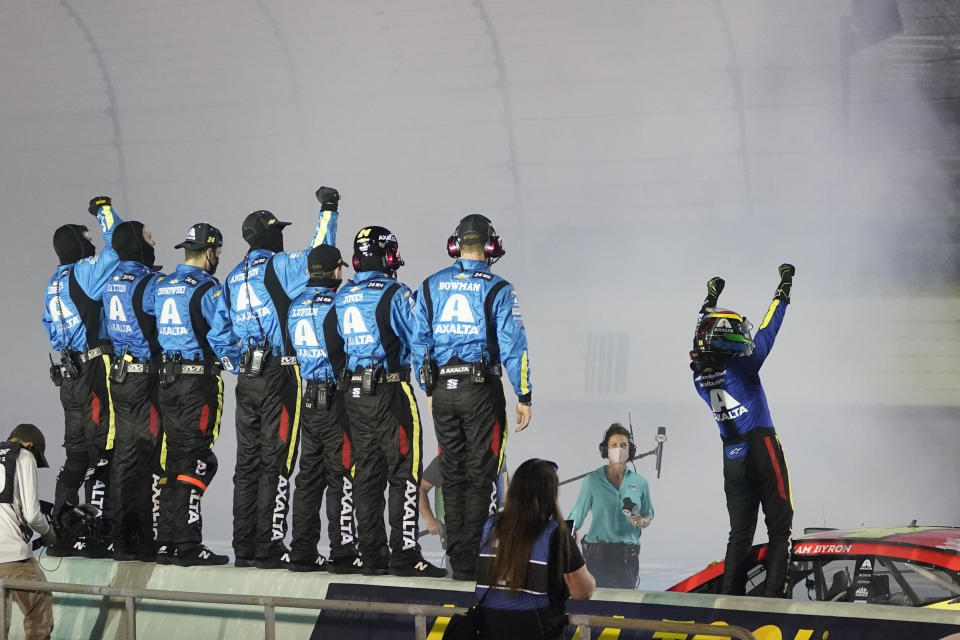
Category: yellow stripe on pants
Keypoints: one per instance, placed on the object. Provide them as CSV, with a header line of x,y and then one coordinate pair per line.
x,y
216,425
295,430
416,429
112,425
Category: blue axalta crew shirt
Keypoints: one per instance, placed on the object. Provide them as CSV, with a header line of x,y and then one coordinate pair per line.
x,y
465,311
128,302
734,393
312,323
375,316
604,501
190,320
259,290
72,309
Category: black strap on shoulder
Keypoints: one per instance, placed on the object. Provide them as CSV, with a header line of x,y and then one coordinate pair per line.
x,y
334,342
146,321
9,452
388,337
200,325
281,302
428,301
88,309
226,293
493,342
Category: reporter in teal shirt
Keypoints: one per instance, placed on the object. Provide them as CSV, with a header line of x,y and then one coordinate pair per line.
x,y
611,547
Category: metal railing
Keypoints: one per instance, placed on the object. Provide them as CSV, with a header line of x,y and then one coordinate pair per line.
x,y
420,612
586,622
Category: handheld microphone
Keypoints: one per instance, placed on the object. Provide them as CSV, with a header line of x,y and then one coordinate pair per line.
x,y
661,438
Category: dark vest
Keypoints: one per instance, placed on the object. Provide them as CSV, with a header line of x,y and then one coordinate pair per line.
x,y
9,452
535,592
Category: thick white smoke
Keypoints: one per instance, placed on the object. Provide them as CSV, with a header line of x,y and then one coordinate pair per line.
x,y
626,151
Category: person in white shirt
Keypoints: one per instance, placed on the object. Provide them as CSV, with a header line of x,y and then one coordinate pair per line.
x,y
20,516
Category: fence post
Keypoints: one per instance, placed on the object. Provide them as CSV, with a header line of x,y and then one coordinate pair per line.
x,y
131,618
269,620
3,605
420,627
585,631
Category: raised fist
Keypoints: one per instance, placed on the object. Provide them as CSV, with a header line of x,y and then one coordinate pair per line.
x,y
786,283
328,197
97,203
715,287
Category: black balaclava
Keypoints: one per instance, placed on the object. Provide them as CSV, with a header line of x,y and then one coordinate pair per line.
x,y
70,245
213,265
271,238
129,243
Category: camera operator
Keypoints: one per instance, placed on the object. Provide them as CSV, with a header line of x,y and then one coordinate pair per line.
x,y
19,514
619,500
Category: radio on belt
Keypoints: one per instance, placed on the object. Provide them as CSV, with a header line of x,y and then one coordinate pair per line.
x,y
368,380
56,374
118,370
68,368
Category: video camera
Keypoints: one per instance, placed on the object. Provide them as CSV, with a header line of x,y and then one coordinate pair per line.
x,y
83,522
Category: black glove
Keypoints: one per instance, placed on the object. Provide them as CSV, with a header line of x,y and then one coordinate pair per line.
x,y
786,281
49,539
328,197
714,288
96,203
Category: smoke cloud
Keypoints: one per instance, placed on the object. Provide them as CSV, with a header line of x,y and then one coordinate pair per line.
x,y
626,152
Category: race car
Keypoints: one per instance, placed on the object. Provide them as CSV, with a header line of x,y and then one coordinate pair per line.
x,y
909,566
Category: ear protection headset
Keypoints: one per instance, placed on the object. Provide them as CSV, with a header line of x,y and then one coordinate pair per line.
x,y
492,248
615,429
391,260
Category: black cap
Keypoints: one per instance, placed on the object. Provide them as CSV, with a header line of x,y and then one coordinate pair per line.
x,y
201,236
324,257
474,229
258,222
30,433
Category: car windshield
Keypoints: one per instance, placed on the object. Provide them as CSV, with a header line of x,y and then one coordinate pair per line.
x,y
891,582
917,584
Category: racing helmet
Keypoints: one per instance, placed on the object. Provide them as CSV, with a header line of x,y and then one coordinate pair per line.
x,y
721,332
376,249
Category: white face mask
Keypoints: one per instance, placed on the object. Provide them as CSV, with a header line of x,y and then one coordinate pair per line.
x,y
617,456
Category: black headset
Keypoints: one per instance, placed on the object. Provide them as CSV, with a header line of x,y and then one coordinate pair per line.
x,y
614,429
492,246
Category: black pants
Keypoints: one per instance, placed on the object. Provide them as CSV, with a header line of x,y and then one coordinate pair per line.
x,y
88,436
751,479
191,407
613,564
325,462
471,425
387,447
268,417
136,473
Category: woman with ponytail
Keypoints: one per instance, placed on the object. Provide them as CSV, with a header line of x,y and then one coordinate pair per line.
x,y
529,562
